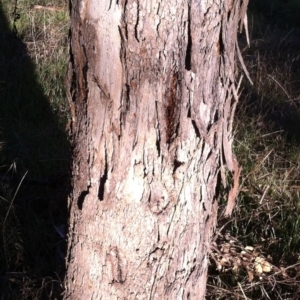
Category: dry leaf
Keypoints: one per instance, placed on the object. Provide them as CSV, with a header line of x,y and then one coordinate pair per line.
x,y
262,266
249,248
251,275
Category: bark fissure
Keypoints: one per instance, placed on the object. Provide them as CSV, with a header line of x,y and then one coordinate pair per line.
x,y
172,107
158,139
197,131
136,34
103,180
188,54
81,198
177,164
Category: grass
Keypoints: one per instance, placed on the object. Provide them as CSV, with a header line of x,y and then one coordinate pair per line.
x,y
34,160
255,253
265,225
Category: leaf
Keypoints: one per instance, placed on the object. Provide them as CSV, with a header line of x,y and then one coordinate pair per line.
x,y
249,248
250,274
262,266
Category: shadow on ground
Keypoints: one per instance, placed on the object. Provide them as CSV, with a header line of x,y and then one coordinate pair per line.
x,y
273,61
34,181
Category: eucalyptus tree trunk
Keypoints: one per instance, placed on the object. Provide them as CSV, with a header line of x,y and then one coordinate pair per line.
x,y
153,95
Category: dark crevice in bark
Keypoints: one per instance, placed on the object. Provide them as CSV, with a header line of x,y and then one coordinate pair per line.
x,y
157,132
216,114
125,107
221,43
145,172
71,73
81,198
158,145
127,98
207,217
122,41
157,26
196,129
110,4
191,272
189,114
158,236
188,54
121,128
172,107
135,141
84,73
124,20
103,181
228,16
176,165
177,128
137,21
219,187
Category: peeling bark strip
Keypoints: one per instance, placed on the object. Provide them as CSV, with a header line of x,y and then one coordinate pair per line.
x,y
153,92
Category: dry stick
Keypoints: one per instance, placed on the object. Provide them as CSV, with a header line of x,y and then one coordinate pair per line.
x,y
260,163
51,8
280,86
242,63
264,194
278,131
242,291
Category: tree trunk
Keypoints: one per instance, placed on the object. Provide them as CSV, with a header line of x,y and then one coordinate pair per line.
x,y
152,96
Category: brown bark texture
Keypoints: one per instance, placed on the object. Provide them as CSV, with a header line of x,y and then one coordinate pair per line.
x,y
152,96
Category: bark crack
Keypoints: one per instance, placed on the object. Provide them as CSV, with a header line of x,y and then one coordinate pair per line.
x,y
172,107
137,21
176,165
103,179
188,53
158,139
83,80
82,197
197,132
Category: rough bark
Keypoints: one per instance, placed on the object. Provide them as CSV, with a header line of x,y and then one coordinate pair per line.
x,y
152,96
